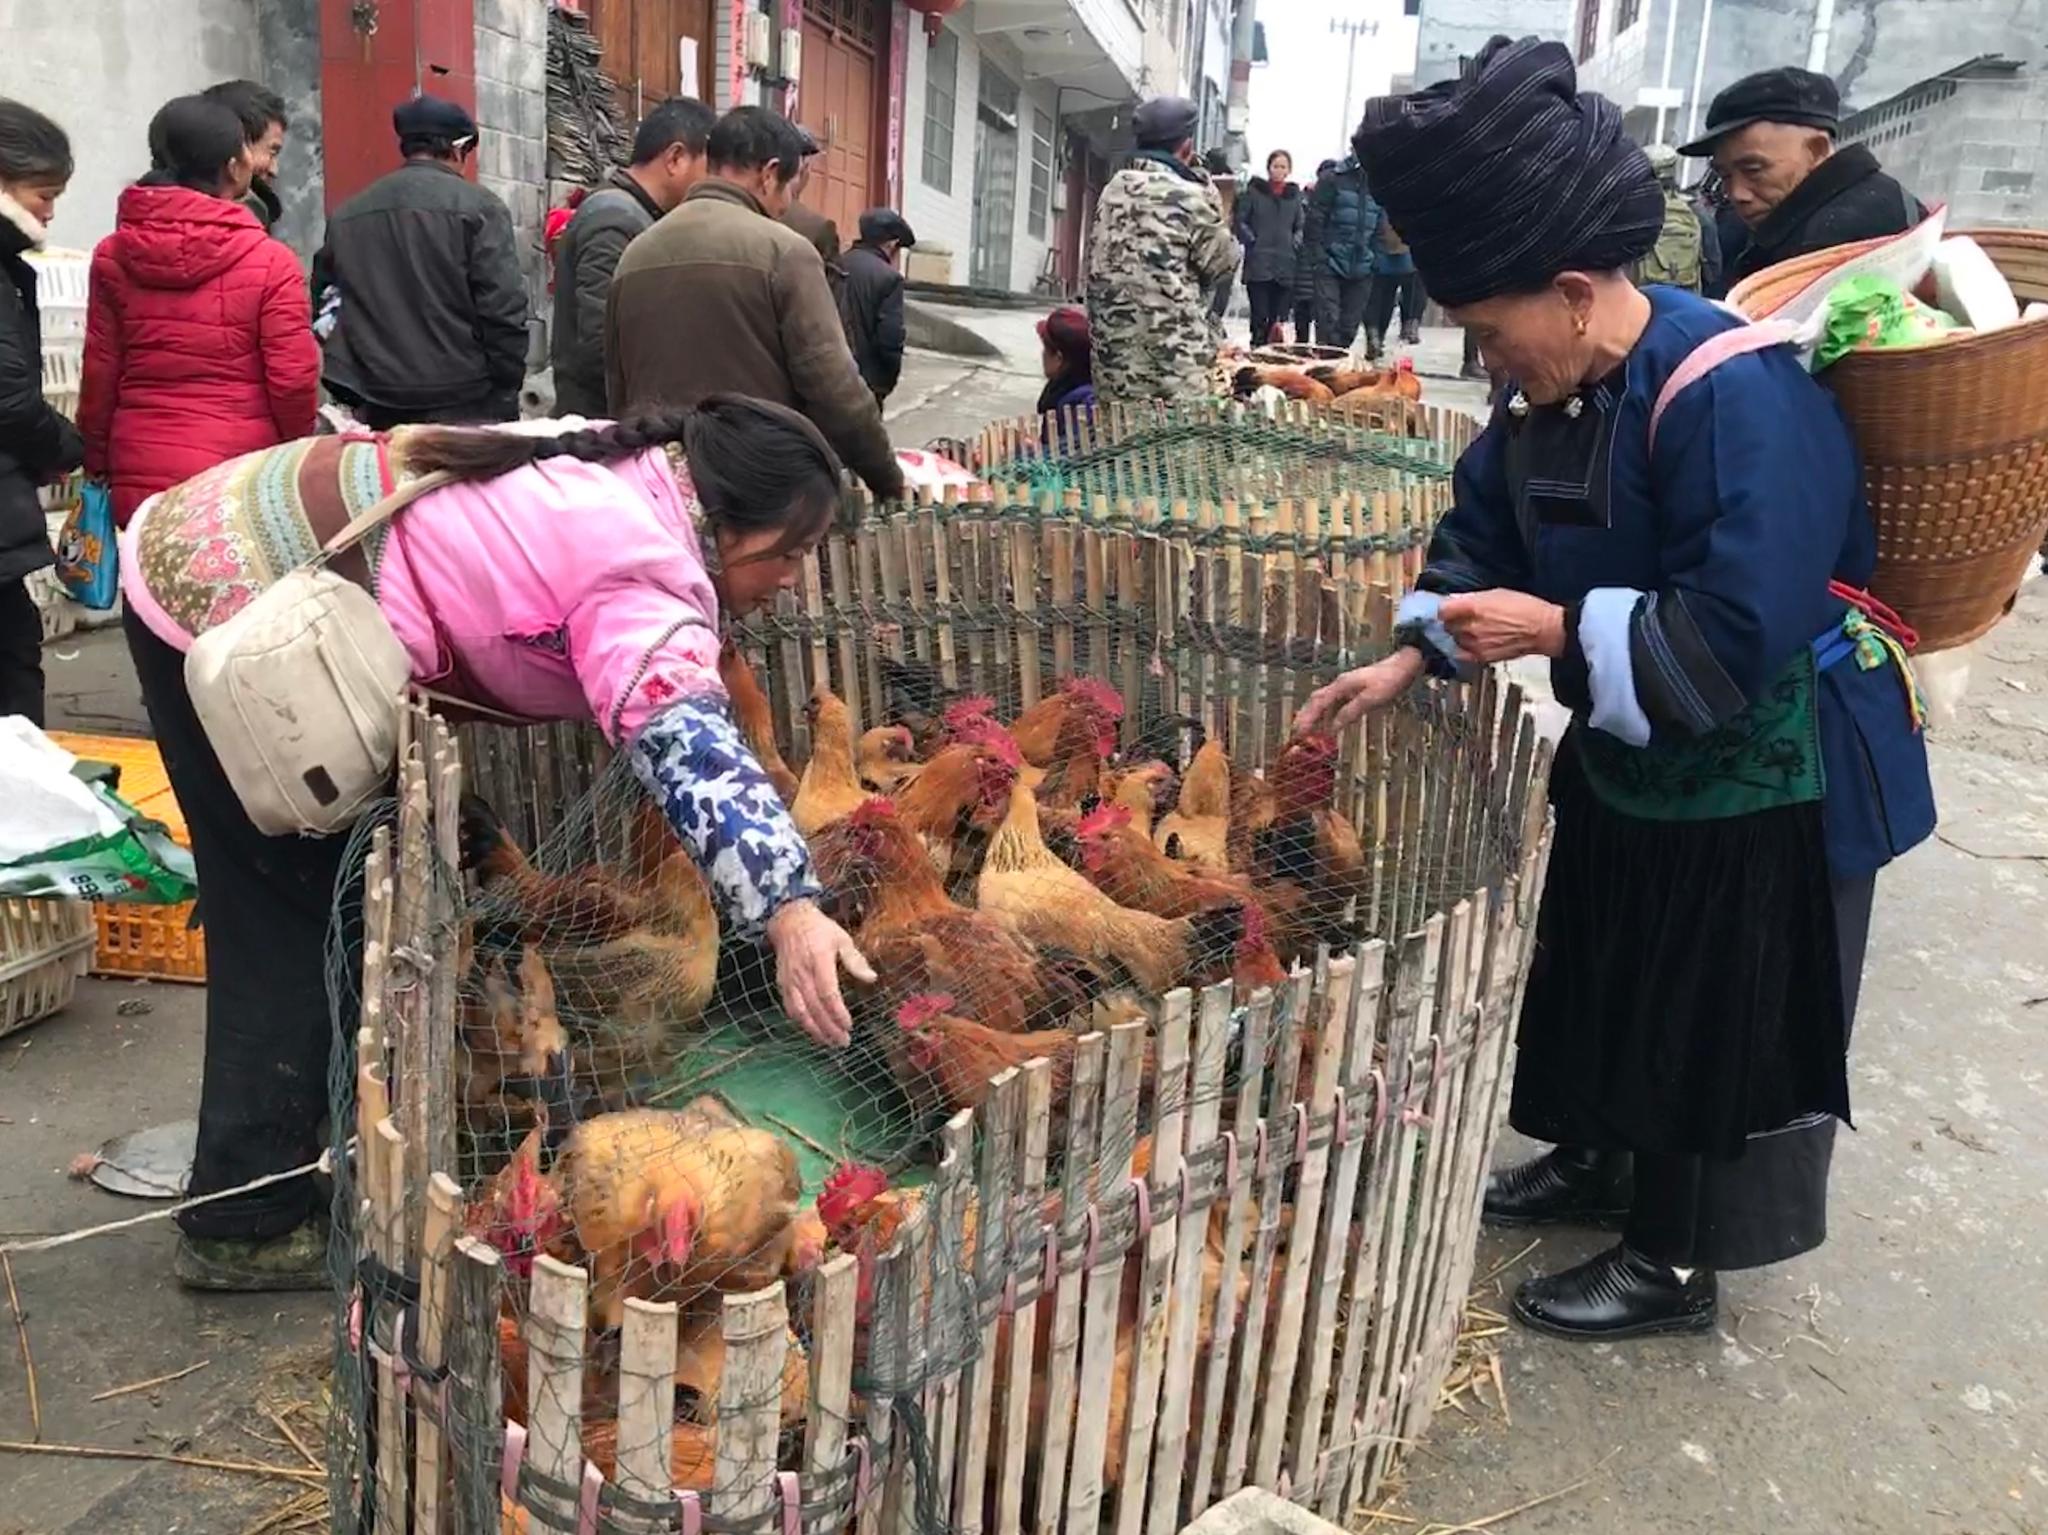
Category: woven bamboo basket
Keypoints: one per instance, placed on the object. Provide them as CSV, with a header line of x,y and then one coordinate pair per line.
x,y
1954,439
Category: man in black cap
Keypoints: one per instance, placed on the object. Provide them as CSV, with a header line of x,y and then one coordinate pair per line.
x,y
1771,137
431,322
871,303
1161,244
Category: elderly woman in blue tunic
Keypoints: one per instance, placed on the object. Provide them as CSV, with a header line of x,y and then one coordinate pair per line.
x,y
1677,523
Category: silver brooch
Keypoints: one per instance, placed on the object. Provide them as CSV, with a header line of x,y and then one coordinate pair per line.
x,y
1518,404
1574,407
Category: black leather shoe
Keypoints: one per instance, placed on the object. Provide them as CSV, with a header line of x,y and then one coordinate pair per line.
x,y
1619,1294
1567,1185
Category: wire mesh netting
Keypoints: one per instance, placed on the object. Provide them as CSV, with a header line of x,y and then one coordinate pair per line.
x,y
1212,454
1048,775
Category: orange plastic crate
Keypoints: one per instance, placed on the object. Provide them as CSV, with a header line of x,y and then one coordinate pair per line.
x,y
142,941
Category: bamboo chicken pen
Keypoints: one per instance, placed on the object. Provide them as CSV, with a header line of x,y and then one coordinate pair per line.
x,y
1223,1238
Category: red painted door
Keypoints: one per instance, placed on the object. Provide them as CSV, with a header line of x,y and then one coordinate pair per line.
x,y
365,71
837,100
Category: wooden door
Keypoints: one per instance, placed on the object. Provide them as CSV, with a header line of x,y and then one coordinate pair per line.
x,y
415,46
837,101
642,49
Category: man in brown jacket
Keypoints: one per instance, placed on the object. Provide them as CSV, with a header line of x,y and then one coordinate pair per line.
x,y
721,297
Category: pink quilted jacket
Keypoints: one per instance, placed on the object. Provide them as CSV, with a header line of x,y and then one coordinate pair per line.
x,y
199,343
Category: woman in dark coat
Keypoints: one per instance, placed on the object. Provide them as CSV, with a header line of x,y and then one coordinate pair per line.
x,y
1744,754
1308,265
36,443
1269,217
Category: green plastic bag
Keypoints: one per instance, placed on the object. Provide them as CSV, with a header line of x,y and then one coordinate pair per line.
x,y
69,836
1870,312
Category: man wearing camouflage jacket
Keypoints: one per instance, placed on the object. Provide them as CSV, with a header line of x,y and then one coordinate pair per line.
x,y
1160,246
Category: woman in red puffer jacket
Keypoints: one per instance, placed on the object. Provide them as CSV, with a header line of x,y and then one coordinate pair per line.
x,y
199,336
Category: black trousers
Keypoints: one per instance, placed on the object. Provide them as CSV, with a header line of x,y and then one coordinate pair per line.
x,y
1269,302
1770,1203
266,902
21,653
1343,309
1304,320
1389,293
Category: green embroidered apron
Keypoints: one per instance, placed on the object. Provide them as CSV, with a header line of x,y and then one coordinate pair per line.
x,y
1766,757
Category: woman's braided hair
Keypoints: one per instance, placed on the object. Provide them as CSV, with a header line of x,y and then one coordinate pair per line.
x,y
755,465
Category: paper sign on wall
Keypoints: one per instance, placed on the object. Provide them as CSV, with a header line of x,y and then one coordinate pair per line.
x,y
686,49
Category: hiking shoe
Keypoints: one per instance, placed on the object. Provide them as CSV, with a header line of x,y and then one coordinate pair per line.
x,y
296,1260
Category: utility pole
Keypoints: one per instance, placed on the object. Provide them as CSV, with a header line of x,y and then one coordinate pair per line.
x,y
1237,112
1351,32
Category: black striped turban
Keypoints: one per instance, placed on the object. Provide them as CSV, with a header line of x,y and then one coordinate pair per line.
x,y
1503,179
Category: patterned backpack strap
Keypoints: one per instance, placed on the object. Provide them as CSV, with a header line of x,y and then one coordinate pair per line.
x,y
1710,354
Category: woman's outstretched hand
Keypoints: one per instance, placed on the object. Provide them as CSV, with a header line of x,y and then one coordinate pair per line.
x,y
809,950
1358,693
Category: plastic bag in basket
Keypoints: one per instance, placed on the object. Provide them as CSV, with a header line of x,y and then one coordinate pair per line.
x,y
1902,259
67,837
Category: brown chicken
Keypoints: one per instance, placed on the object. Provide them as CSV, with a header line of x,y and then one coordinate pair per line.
x,y
1126,867
632,950
958,800
831,786
861,1215
1087,740
519,1210
691,1453
888,759
700,1362
1052,904
1295,383
507,1029
1148,790
1197,830
1037,729
1308,846
919,940
666,1210
756,719
946,1061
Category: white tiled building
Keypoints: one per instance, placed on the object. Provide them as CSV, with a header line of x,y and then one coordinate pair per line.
x,y
1007,121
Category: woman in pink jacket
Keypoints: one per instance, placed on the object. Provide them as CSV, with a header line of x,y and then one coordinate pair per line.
x,y
199,336
564,577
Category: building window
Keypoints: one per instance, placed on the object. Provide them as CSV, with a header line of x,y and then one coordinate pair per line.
x,y
1589,28
1041,175
1626,14
941,89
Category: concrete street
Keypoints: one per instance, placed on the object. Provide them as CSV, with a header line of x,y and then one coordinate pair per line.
x,y
1895,1381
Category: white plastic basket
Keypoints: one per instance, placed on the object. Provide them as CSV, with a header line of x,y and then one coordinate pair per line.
x,y
45,946
60,293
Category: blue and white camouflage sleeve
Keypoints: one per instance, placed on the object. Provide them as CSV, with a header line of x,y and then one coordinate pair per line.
x,y
694,762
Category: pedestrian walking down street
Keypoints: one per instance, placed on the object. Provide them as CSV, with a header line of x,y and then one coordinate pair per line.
x,y
198,333
668,159
1772,140
1678,259
1269,227
871,302
1396,285
594,541
431,316
1217,163
265,122
1310,273
1351,221
1161,244
1744,753
37,444
722,297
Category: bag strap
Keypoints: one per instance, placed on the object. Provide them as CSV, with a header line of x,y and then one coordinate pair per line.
x,y
1709,355
374,518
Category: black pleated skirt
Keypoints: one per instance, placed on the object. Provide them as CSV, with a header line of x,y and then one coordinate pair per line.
x,y
1687,989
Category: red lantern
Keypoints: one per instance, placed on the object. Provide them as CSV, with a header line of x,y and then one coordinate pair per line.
x,y
933,12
